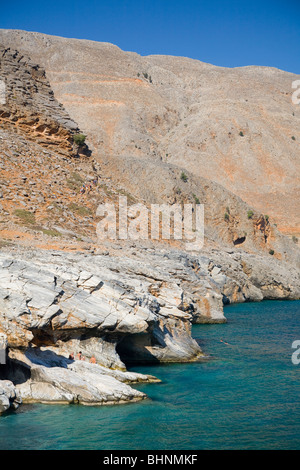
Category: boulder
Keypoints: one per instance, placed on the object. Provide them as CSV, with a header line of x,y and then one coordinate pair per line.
x,y
9,396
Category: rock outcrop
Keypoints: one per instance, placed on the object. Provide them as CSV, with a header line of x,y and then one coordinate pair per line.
x,y
44,376
30,105
134,307
9,396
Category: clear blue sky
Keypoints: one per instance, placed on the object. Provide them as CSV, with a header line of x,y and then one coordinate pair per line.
x,y
228,33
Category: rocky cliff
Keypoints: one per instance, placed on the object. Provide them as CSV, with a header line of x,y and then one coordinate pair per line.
x,y
62,290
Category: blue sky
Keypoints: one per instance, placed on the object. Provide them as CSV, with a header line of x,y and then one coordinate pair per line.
x,y
228,33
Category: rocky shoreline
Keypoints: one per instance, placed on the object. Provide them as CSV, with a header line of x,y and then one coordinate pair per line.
x,y
61,290
137,306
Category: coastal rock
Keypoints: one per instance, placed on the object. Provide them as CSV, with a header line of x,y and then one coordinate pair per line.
x,y
9,396
55,384
119,309
91,310
45,376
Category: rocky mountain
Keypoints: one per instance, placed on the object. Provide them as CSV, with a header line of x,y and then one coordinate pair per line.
x,y
62,289
237,127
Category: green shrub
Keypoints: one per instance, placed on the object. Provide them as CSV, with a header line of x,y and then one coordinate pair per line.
x,y
183,177
241,134
293,137
267,218
197,200
250,214
271,252
79,139
226,216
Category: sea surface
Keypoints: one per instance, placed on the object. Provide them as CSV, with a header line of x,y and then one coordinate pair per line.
x,y
246,396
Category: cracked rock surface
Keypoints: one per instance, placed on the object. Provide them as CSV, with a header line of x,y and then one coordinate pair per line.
x,y
119,309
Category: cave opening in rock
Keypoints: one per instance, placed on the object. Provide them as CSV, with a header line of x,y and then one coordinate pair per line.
x,y
239,241
136,349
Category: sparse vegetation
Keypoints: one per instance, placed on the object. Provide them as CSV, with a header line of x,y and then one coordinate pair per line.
x,y
130,199
79,139
227,210
51,232
241,133
196,199
107,191
147,76
75,181
79,210
226,216
271,252
250,214
267,218
183,177
295,239
26,217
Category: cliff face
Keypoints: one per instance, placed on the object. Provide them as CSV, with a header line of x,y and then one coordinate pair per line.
x,y
237,127
30,106
62,290
135,306
41,167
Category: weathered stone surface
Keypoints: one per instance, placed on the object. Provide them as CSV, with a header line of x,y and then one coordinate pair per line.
x,y
9,397
53,378
105,305
120,309
30,104
56,384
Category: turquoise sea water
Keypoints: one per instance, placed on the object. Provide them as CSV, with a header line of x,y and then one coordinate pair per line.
x,y
247,396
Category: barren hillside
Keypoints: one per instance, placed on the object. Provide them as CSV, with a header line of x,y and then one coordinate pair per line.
x,y
237,127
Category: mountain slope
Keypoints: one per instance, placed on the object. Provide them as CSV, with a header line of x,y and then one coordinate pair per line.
x,y
237,127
